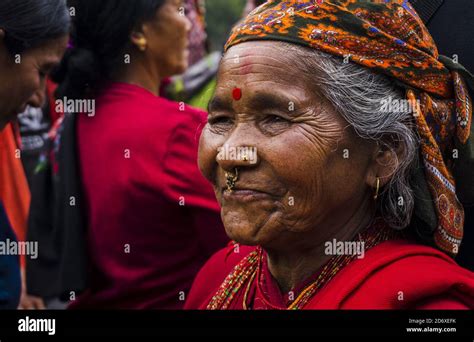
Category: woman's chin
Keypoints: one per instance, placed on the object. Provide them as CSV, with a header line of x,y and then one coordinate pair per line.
x,y
244,234
249,226
181,67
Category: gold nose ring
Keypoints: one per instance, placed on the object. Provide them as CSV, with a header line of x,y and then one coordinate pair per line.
x,y
231,179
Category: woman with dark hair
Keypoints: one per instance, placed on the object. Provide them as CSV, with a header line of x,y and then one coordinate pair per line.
x,y
33,38
152,220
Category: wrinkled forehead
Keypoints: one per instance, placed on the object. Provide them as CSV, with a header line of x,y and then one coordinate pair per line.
x,y
264,75
255,49
261,59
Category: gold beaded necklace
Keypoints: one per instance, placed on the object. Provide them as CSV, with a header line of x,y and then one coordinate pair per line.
x,y
248,271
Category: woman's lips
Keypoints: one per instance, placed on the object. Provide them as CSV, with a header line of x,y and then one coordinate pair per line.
x,y
245,195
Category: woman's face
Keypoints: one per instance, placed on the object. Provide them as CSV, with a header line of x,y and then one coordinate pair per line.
x,y
23,77
311,168
167,38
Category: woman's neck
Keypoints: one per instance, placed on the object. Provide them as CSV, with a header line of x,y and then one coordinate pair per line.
x,y
142,75
292,266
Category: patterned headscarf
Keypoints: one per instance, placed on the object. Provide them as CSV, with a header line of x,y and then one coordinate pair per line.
x,y
390,38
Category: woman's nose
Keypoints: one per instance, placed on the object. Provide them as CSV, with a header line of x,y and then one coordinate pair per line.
x,y
230,157
37,100
189,25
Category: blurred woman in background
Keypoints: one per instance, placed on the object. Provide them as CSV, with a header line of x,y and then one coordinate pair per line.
x,y
152,220
33,38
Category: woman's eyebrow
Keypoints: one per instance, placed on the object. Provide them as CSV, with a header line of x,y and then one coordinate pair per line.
x,y
262,101
219,104
258,102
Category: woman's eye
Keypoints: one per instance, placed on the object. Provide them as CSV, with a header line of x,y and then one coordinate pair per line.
x,y
219,120
274,124
275,119
220,124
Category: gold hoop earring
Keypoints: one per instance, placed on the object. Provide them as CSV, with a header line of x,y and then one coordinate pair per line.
x,y
142,44
231,179
377,188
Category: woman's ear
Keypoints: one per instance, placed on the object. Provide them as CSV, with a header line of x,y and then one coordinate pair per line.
x,y
385,162
139,40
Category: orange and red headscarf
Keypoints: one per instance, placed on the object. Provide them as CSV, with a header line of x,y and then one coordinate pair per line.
x,y
390,38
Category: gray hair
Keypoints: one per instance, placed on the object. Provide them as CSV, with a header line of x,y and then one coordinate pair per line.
x,y
359,95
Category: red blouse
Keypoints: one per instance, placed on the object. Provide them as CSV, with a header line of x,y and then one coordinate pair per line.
x,y
395,274
153,219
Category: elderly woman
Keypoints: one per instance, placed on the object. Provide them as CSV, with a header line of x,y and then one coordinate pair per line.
x,y
33,38
340,194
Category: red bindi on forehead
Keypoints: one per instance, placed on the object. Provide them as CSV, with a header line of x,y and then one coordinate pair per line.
x,y
236,94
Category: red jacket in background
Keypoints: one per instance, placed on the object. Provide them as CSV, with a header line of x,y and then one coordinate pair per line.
x,y
153,219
